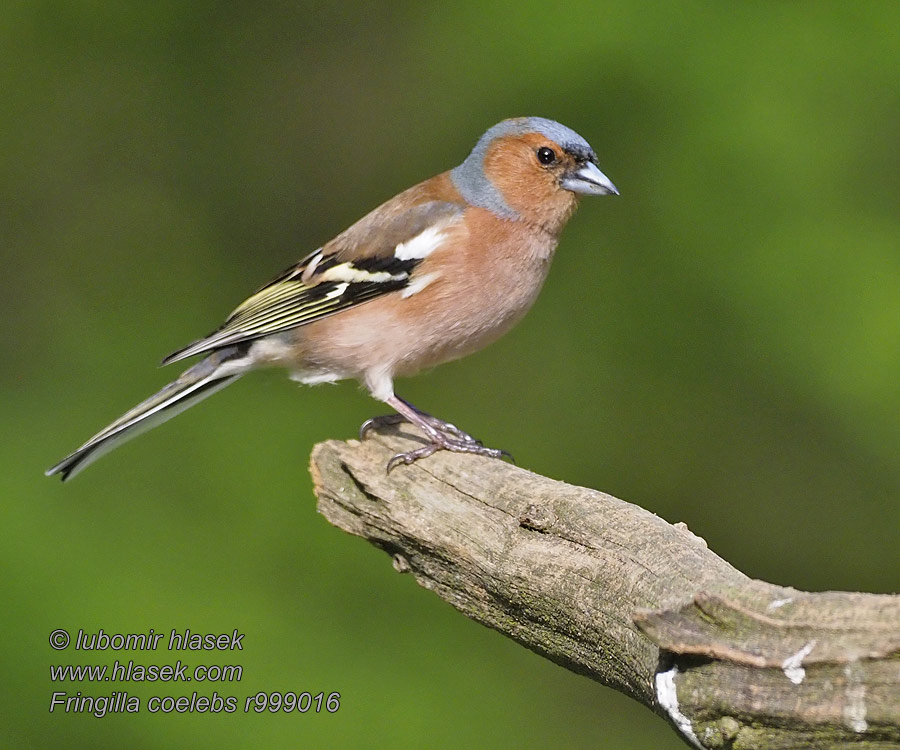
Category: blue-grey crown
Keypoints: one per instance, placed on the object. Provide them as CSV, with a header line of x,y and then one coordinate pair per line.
x,y
477,189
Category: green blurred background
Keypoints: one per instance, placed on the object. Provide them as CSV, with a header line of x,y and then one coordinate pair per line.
x,y
720,345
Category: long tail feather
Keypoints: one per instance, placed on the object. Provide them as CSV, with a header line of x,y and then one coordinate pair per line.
x,y
203,379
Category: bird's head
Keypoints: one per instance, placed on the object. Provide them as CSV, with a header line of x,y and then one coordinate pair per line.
x,y
531,168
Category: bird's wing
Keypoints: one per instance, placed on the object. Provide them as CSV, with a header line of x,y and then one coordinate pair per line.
x,y
375,256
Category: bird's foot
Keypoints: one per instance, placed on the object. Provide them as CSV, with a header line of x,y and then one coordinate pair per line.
x,y
449,429
387,420
441,435
441,441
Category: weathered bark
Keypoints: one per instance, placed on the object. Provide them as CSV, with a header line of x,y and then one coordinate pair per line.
x,y
612,591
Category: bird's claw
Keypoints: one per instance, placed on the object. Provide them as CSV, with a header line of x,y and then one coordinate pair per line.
x,y
448,444
376,423
411,456
387,420
441,435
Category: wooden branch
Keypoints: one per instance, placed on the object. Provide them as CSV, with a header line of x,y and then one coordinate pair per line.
x,y
609,590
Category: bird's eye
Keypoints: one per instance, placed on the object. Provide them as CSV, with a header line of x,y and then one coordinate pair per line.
x,y
546,155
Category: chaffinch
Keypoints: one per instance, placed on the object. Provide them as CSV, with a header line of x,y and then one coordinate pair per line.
x,y
435,273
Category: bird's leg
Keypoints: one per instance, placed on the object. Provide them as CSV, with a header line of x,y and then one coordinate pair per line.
x,y
437,432
391,419
440,424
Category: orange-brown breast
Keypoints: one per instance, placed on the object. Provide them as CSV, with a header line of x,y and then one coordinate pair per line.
x,y
487,274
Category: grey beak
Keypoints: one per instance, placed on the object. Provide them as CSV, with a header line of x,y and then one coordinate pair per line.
x,y
588,180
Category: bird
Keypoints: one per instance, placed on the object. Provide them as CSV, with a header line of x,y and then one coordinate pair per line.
x,y
435,273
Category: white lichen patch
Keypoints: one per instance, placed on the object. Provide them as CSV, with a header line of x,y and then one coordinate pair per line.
x,y
793,665
667,696
778,603
855,698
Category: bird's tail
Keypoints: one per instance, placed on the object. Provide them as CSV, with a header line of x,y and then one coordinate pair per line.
x,y
213,373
